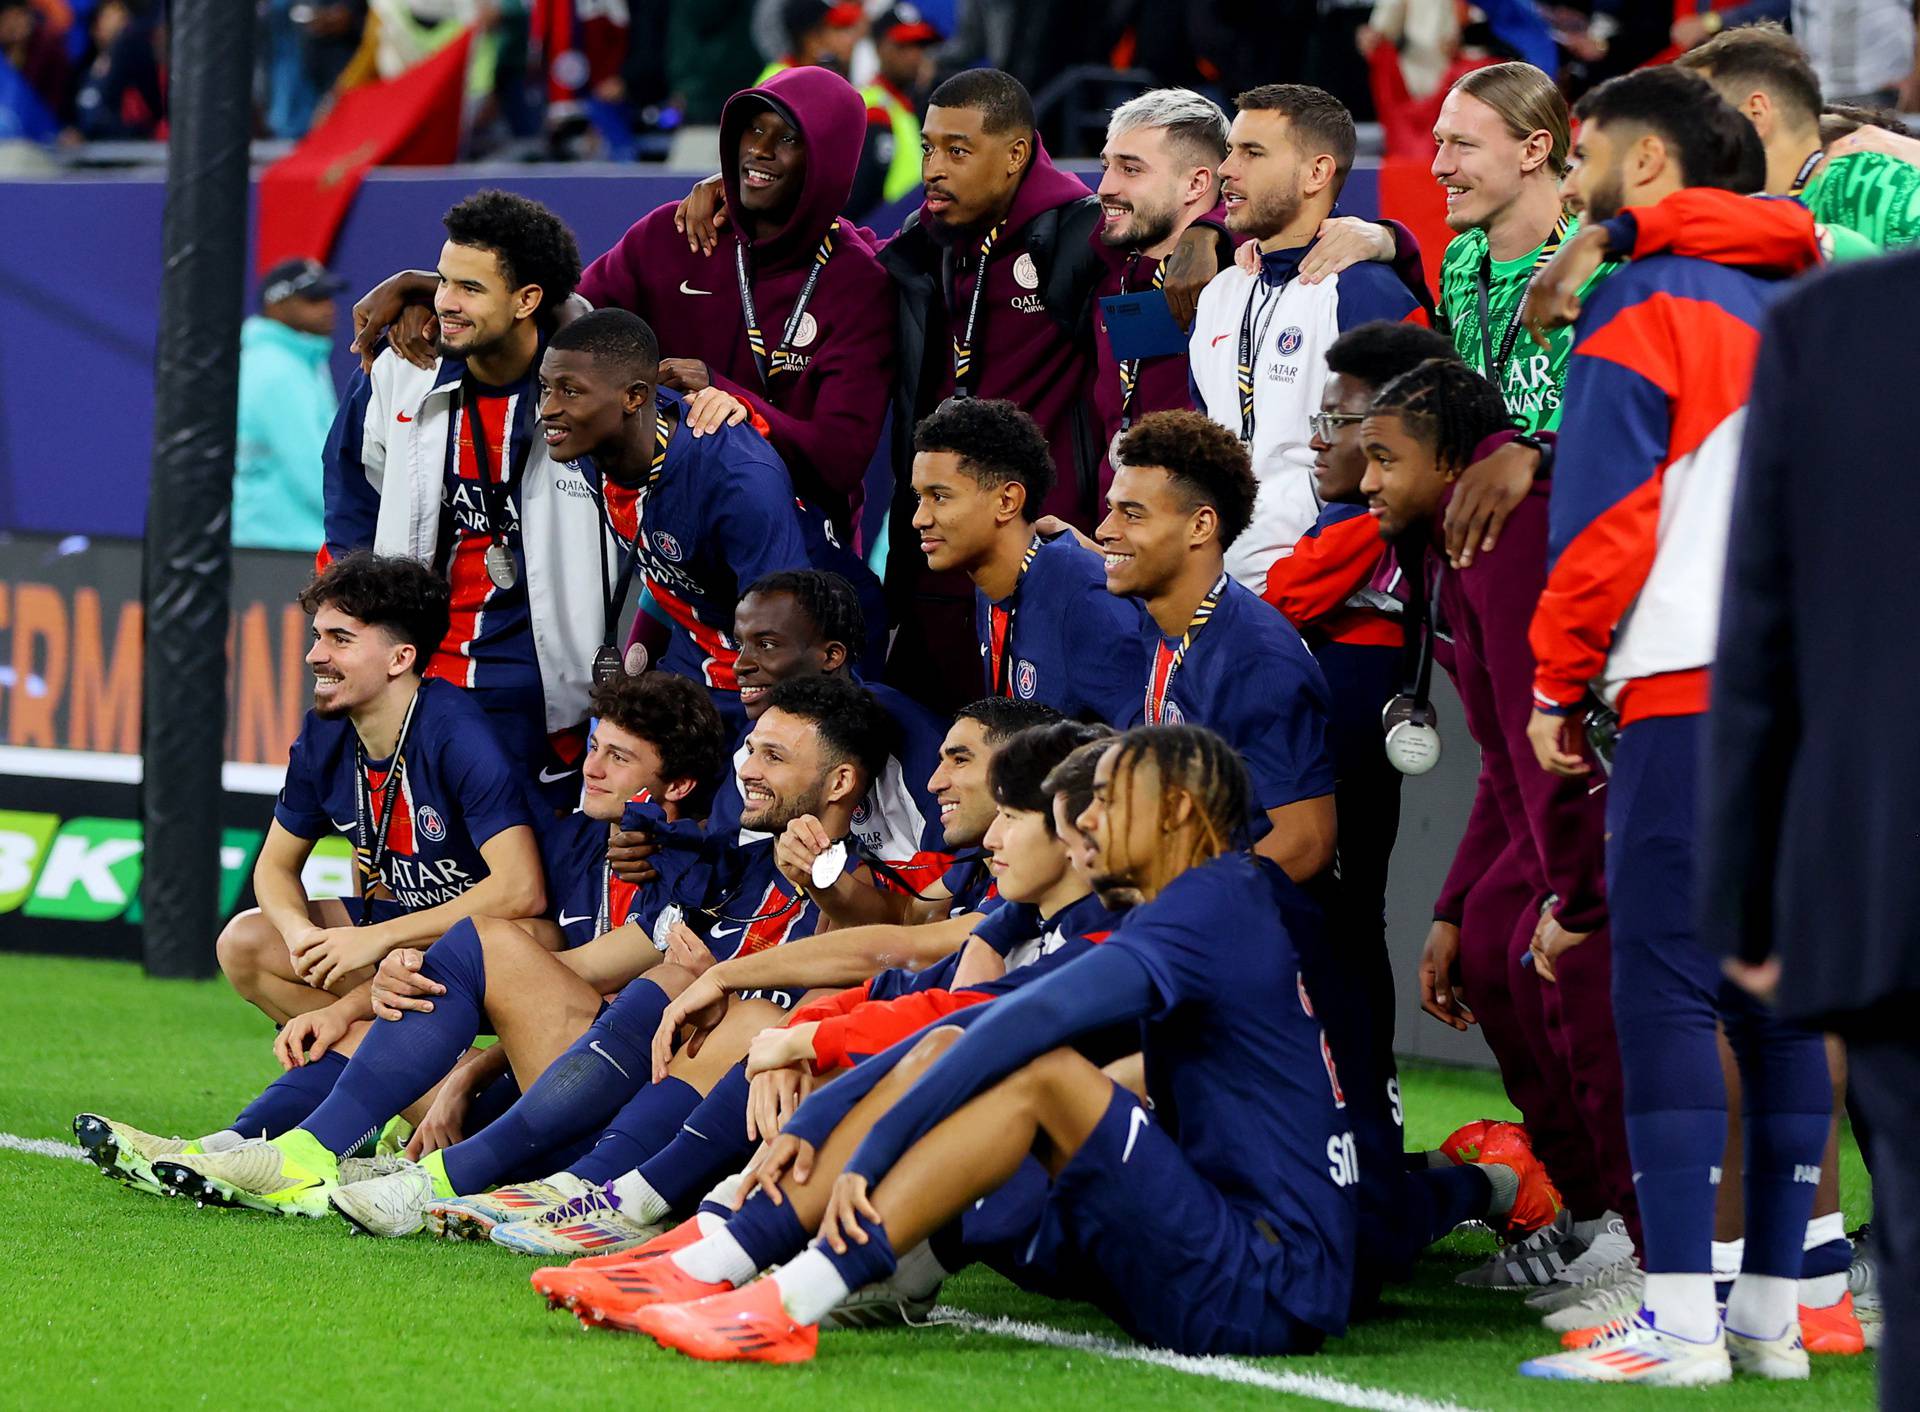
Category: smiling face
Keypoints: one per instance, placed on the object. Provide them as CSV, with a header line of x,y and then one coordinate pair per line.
x,y
352,662
1148,532
959,784
584,406
1477,160
476,308
778,641
783,775
1026,860
956,517
773,165
1339,461
619,766
1143,187
970,173
1261,177
1403,484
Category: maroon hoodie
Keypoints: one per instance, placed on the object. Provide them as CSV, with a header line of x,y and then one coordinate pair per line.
x,y
1558,823
825,418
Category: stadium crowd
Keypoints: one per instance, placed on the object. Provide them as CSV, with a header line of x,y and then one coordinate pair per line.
x,y
1024,903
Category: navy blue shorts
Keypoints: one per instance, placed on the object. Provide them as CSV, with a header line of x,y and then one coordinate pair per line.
x,y
1156,1245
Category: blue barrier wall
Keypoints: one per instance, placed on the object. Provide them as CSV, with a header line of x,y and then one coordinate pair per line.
x,y
80,297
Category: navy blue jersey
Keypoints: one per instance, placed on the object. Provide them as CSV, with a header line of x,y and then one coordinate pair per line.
x,y
584,899
721,515
1248,677
1065,641
739,902
457,790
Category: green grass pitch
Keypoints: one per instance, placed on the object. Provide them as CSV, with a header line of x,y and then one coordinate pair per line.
x,y
112,1299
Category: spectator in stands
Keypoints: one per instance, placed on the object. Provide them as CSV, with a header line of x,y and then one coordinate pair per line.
x,y
119,94
1862,50
305,48
30,44
287,405
820,34
903,40
710,54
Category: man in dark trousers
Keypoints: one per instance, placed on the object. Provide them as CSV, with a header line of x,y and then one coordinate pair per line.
x,y
1807,782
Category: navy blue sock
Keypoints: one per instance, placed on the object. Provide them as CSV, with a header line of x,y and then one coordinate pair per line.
x,y
400,1060
289,1099
1831,1257
492,1101
1783,1153
1675,1154
1445,1197
711,1143
647,1124
574,1098
863,1265
770,1234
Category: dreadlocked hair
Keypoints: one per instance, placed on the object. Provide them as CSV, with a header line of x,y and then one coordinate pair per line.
x,y
1445,402
1194,762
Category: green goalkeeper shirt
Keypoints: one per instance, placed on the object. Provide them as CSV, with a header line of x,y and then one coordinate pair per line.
x,y
1869,193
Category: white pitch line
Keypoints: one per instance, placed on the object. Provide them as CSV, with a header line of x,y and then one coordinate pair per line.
x,y
1320,1386
41,1147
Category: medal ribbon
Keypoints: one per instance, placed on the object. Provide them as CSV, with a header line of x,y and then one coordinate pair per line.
x,y
1130,368
757,341
369,837
1001,633
493,493
963,346
1805,174
1166,660
616,594
1249,340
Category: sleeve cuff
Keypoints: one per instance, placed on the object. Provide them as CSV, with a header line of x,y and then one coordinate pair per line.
x,y
1624,232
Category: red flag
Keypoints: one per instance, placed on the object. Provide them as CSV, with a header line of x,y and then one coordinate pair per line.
x,y
409,121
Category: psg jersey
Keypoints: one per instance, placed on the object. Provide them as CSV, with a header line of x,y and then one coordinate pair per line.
x,y
1061,639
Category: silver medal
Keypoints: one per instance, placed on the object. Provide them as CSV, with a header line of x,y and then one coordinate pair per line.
x,y
670,916
831,863
1113,448
500,565
1413,748
636,659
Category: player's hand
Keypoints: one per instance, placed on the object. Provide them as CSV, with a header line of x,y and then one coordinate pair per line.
x,y
774,1097
1878,139
1440,977
1550,941
685,375
781,1047
701,213
1342,243
1184,273
686,950
343,952
1553,295
1047,526
1759,979
445,1121
399,987
309,1036
1555,741
802,841
700,1007
710,409
1246,257
381,311
847,1204
1486,493
785,1156
627,852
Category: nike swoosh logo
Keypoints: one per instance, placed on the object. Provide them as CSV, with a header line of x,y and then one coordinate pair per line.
x,y
1217,339
594,1045
1136,1122
690,1128
347,827
554,777
686,288
724,931
401,417
566,921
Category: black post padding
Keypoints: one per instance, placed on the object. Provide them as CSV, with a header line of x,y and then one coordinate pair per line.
x,y
190,506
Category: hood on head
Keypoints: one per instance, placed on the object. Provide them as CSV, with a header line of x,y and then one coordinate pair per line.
x,y
832,121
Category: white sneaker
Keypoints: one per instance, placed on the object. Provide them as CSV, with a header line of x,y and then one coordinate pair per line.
x,y
1610,1298
592,1223
474,1217
1604,1261
1783,1359
390,1205
1528,1264
365,1169
1639,1353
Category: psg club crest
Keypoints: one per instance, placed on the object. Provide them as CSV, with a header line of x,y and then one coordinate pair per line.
x,y
860,813
808,330
668,546
1290,340
1026,274
1171,714
432,827
1025,679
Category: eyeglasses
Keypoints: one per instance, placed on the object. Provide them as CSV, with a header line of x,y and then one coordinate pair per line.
x,y
1323,423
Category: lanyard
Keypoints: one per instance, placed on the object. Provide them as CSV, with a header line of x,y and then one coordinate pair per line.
x,y
493,493
1249,341
370,840
1001,633
1483,279
1166,662
1419,626
1130,368
756,340
1805,174
616,593
963,345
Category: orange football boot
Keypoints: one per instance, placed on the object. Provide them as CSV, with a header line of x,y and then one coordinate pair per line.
x,y
745,1325
1834,1328
1462,1145
613,1295
1538,1200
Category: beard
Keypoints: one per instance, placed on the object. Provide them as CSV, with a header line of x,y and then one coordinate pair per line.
x,y
1268,214
956,237
1146,228
781,812
1603,202
479,348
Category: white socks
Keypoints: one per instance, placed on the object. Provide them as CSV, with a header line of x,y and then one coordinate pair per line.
x,y
809,1287
639,1200
718,1260
223,1141
1727,1258
1763,1306
1683,1305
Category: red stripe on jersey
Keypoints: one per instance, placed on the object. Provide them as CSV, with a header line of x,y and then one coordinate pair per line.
x,y
919,872
623,508
772,920
400,836
466,563
721,654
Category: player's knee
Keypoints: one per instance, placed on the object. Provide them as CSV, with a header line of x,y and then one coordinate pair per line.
x,y
240,947
500,938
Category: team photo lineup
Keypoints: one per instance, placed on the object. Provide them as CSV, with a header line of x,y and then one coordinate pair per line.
x,y
767,905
